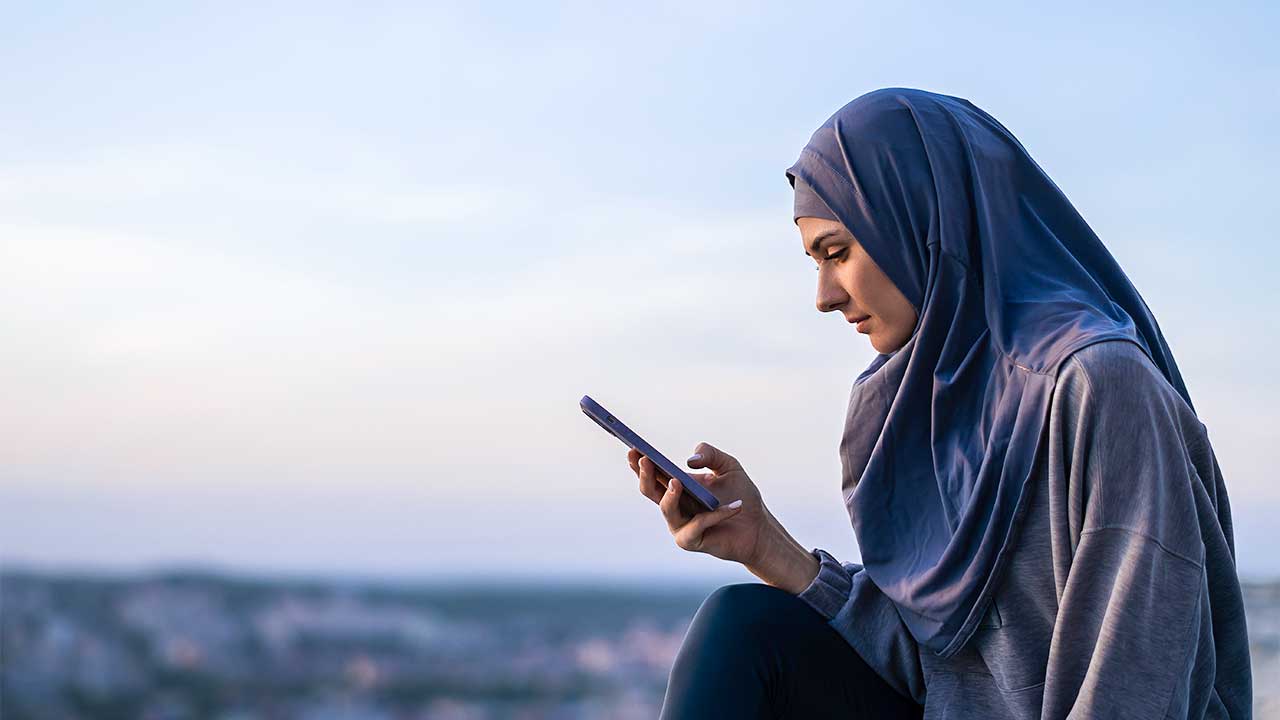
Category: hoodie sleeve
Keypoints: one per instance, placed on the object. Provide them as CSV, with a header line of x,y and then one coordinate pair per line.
x,y
867,619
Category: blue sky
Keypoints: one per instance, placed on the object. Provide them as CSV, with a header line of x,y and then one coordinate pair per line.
x,y
306,287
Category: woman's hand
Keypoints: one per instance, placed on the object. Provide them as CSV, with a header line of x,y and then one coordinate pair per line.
x,y
729,533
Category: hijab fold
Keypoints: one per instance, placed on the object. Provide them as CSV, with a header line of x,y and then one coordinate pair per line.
x,y
943,434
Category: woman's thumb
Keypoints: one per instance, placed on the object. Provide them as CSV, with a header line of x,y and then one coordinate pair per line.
x,y
709,456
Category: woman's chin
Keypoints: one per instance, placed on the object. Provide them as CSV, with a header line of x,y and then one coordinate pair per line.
x,y
883,346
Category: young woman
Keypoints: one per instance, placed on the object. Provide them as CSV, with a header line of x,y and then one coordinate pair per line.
x,y
1044,529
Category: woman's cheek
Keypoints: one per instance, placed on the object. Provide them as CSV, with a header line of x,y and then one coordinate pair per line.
x,y
865,290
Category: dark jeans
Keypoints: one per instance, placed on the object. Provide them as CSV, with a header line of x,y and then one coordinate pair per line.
x,y
756,651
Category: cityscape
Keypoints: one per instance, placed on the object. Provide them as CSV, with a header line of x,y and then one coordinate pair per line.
x,y
173,646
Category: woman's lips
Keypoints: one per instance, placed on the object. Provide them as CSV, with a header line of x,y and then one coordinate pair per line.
x,y
859,322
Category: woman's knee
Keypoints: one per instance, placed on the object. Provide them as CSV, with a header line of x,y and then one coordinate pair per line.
x,y
743,611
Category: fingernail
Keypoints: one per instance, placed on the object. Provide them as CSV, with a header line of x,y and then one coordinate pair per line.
x,y
735,504
695,457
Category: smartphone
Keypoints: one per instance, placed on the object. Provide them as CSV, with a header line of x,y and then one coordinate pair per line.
x,y
695,499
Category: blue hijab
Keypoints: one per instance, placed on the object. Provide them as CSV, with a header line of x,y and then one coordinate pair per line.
x,y
1007,280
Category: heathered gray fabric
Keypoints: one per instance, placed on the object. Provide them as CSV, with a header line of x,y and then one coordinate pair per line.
x,y
808,204
1121,598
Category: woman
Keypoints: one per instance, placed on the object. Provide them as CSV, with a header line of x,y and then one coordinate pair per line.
x,y
1044,529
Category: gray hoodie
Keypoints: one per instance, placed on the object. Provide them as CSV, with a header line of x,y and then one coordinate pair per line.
x,y
1121,598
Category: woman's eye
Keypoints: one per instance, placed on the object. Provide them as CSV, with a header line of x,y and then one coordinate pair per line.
x,y
835,256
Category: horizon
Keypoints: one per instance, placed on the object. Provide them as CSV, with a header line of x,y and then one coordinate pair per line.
x,y
450,580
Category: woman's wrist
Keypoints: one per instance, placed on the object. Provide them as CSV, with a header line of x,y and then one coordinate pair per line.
x,y
783,562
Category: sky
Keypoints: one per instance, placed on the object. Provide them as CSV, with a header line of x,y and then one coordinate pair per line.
x,y
312,288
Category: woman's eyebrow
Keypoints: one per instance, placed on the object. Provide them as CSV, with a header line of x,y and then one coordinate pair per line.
x,y
813,246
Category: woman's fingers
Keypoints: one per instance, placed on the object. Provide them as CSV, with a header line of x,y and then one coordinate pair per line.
x,y
653,484
649,485
670,505
688,530
690,536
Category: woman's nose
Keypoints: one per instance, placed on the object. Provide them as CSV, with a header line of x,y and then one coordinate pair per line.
x,y
830,298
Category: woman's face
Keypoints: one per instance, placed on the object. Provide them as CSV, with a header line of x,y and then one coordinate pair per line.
x,y
849,281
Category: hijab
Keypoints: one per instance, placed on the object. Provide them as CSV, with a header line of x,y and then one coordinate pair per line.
x,y
1007,279
808,204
